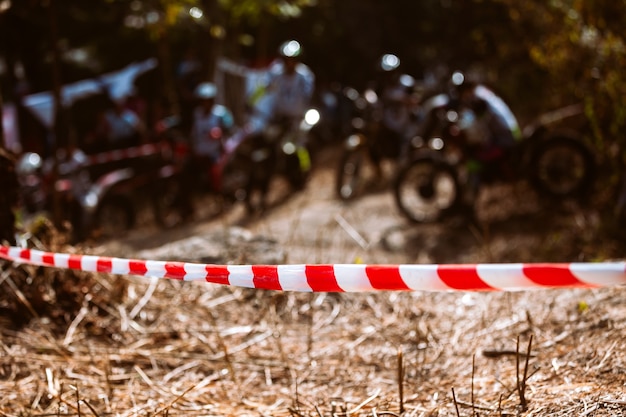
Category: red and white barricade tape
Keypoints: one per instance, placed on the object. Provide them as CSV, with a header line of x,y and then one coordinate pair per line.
x,y
346,277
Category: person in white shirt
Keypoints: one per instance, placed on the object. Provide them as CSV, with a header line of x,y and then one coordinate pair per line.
x,y
283,94
493,130
211,123
291,82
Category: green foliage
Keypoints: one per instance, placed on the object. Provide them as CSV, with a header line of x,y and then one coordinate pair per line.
x,y
255,10
582,46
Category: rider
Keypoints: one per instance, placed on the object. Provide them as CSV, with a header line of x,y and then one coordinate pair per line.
x,y
291,85
491,129
397,103
210,123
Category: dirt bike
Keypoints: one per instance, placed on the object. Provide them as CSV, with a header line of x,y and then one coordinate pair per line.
x,y
44,189
355,169
177,189
434,181
249,160
369,143
119,200
279,151
97,201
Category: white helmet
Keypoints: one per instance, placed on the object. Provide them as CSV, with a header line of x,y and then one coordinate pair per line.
x,y
407,81
290,49
205,91
28,163
389,62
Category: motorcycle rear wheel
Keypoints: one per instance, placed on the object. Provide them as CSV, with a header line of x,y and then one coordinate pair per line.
x,y
562,167
426,190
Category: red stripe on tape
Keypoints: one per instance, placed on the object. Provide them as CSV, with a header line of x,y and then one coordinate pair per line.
x,y
217,274
175,270
75,262
322,278
266,277
104,265
48,258
462,277
385,277
551,275
136,267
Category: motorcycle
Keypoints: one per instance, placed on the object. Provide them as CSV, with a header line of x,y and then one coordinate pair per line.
x,y
57,190
251,157
369,143
96,201
115,201
33,194
224,182
436,180
356,169
279,150
208,187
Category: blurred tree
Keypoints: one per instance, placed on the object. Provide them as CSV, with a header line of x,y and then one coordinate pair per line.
x,y
539,54
582,46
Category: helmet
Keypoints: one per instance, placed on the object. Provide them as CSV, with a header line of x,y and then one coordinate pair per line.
x,y
29,163
457,79
464,80
389,62
205,91
407,81
290,49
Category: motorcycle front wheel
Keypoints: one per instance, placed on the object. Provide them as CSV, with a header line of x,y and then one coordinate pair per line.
x,y
562,167
353,173
426,190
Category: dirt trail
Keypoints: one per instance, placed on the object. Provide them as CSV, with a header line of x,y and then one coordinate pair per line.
x,y
313,226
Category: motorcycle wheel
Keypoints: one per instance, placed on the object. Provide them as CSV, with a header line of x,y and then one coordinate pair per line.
x,y
426,190
351,175
115,217
562,167
294,165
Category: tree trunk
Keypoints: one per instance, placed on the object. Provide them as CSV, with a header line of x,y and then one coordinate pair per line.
x,y
165,65
8,197
58,114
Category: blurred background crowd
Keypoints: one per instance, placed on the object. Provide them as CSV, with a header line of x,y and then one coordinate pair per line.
x,y
105,74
